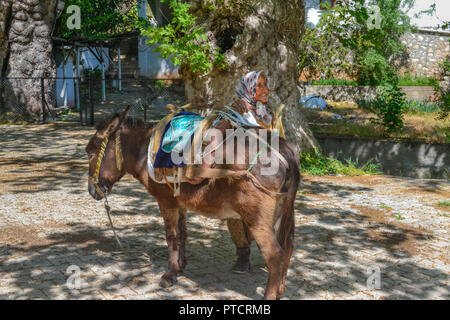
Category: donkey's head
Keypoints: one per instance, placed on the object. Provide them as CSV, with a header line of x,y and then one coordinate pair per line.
x,y
105,156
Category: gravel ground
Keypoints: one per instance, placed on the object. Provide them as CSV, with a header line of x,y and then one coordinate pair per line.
x,y
349,230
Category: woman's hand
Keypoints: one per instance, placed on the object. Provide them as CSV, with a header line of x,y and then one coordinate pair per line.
x,y
241,106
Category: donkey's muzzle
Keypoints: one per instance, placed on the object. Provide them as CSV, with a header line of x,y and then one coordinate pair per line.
x,y
94,193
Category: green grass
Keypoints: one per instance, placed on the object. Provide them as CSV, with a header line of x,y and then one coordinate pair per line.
x,y
334,82
420,81
405,81
314,163
412,107
445,203
422,107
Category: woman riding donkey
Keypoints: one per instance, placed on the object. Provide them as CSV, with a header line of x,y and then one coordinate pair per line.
x,y
251,101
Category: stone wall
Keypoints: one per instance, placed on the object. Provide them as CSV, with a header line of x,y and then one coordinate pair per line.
x,y
409,159
351,93
426,50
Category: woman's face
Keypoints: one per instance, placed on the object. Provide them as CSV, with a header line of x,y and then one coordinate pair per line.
x,y
261,90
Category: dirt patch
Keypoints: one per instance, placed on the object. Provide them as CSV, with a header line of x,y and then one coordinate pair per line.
x,y
394,236
427,190
20,236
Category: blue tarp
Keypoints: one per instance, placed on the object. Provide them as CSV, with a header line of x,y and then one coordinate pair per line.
x,y
313,102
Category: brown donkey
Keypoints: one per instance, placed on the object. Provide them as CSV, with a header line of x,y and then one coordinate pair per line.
x,y
122,143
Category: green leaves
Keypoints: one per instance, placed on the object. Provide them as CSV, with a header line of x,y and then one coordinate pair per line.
x,y
344,42
390,106
101,19
183,42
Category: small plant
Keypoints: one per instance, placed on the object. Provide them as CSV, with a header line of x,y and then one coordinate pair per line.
x,y
385,207
399,217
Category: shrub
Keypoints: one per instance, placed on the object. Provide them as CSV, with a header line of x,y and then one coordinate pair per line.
x,y
389,107
443,92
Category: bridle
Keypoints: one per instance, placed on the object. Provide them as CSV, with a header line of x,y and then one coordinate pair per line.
x,y
94,179
119,162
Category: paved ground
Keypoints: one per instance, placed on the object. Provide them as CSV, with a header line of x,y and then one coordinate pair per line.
x,y
347,230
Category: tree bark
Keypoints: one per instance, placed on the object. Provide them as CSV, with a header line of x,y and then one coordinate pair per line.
x,y
254,35
26,52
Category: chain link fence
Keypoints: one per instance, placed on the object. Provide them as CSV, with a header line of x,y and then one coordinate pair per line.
x,y
26,99
86,99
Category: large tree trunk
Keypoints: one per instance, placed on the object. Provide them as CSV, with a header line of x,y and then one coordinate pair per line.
x,y
26,52
254,35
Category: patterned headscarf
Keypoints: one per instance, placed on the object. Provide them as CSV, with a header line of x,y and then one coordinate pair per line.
x,y
246,87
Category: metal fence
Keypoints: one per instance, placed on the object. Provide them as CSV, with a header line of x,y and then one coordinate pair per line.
x,y
26,99
90,98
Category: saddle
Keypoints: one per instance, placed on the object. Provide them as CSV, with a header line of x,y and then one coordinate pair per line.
x,y
183,173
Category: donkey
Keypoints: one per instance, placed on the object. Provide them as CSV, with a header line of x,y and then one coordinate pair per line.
x,y
120,146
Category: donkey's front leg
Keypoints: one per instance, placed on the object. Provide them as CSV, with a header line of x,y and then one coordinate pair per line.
x,y
171,216
182,235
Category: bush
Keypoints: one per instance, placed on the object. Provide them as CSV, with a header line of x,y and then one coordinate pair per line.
x,y
389,107
443,92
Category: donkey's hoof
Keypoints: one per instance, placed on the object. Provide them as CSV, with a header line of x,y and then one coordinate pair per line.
x,y
241,268
167,282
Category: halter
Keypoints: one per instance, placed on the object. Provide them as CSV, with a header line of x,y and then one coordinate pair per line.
x,y
94,179
119,161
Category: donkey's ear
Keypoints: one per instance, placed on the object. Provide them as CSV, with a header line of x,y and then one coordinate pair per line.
x,y
112,126
124,114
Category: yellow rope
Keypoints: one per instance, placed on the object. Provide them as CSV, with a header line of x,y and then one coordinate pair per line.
x,y
167,181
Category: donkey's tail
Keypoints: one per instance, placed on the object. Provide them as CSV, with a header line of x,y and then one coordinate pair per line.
x,y
286,229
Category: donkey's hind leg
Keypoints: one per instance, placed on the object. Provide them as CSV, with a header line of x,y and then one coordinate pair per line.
x,y
258,218
242,240
274,256
171,218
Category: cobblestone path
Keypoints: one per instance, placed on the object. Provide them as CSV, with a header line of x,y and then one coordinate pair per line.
x,y
348,230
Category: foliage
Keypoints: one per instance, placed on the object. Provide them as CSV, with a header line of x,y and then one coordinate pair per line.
x,y
183,42
389,107
422,107
416,81
412,107
404,81
95,73
376,52
101,19
320,55
443,92
315,163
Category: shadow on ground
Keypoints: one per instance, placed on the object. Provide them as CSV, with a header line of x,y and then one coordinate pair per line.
x,y
330,254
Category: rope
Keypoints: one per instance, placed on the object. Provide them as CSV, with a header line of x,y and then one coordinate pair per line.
x,y
108,209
